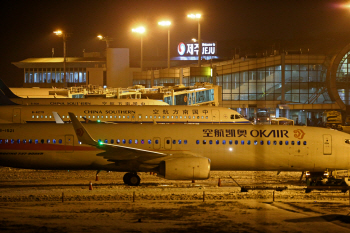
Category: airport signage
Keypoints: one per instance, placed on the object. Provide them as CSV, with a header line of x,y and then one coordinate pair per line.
x,y
191,49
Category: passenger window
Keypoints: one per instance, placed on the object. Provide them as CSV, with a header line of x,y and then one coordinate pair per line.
x,y
268,142
255,142
42,141
60,141
156,141
168,141
185,141
18,141
142,141
53,141
242,142
179,141
275,143
118,141
347,141
197,141
12,141
236,142
217,142
6,141
292,142
304,143
36,141
298,143
286,142
25,141
112,141
224,142
230,142
149,141
204,142
136,141
281,143
130,141
106,140
174,141
124,141
30,141
248,142
261,142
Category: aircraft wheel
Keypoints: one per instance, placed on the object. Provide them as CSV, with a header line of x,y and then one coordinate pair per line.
x,y
134,180
126,177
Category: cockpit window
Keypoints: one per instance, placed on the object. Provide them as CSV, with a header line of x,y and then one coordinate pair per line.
x,y
237,116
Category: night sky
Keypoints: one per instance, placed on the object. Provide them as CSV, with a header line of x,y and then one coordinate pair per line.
x,y
27,26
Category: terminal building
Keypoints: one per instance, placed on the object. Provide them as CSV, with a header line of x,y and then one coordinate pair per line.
x,y
297,85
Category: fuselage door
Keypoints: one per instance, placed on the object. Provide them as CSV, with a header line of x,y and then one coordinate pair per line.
x,y
215,115
327,144
16,117
156,143
167,143
69,143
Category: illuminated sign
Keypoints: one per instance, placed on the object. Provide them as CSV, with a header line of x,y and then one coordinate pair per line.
x,y
191,49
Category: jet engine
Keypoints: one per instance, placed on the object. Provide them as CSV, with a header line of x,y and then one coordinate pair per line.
x,y
185,168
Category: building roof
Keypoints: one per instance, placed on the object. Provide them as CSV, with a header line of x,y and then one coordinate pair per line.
x,y
57,62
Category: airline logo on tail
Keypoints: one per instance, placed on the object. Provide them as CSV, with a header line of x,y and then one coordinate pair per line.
x,y
79,132
299,134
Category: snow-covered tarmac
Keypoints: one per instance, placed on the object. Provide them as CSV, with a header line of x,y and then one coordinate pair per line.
x,y
60,201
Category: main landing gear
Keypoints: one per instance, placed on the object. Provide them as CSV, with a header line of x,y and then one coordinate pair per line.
x,y
132,179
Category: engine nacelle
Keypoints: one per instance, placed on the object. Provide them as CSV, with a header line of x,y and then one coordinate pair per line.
x,y
185,169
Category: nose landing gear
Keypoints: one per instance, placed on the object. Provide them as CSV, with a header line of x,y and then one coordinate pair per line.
x,y
132,179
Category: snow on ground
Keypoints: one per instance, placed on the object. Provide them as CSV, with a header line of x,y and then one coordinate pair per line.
x,y
60,201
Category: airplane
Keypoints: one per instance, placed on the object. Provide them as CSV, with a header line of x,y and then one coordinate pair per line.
x,y
15,113
173,151
75,101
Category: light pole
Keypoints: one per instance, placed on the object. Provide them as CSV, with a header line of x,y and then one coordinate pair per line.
x,y
140,30
64,37
167,23
105,38
198,16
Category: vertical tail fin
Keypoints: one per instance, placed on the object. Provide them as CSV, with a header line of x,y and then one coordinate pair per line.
x,y
7,90
4,100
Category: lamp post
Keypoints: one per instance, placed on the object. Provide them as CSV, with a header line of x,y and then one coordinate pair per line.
x,y
140,30
105,38
167,23
198,16
64,37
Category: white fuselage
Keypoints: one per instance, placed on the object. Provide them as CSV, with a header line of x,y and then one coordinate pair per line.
x,y
229,147
122,114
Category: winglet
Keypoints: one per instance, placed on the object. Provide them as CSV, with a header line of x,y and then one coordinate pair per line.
x,y
58,118
82,134
7,91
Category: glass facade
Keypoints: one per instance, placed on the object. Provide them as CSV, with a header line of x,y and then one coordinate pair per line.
x,y
54,75
301,83
343,79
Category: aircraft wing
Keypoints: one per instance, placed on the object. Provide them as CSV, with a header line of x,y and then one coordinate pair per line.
x,y
112,152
